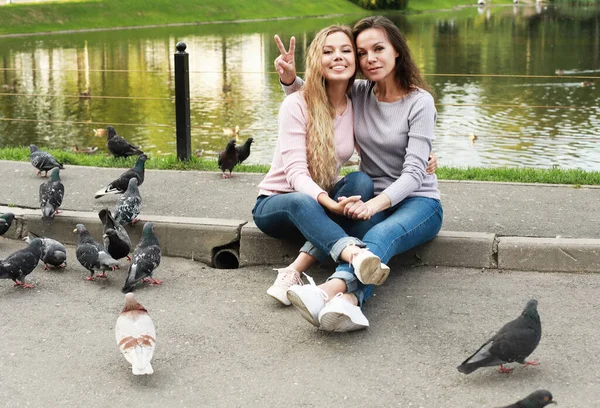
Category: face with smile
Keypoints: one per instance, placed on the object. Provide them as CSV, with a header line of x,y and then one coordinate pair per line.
x,y
337,59
376,55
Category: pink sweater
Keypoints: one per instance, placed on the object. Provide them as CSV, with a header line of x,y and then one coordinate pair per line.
x,y
289,169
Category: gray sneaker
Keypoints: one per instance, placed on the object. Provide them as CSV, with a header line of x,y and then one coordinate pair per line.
x,y
339,315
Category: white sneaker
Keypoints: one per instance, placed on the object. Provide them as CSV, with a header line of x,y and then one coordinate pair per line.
x,y
286,277
339,315
308,299
369,269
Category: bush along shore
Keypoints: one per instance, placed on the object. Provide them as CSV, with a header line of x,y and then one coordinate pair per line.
x,y
573,177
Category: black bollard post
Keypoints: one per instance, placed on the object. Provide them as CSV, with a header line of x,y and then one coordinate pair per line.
x,y
182,102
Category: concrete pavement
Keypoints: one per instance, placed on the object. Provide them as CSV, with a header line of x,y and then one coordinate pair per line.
x,y
199,215
222,342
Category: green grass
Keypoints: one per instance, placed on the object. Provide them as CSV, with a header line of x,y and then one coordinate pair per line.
x,y
577,178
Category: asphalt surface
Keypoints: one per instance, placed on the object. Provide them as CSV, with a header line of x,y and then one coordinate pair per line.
x,y
222,342
506,209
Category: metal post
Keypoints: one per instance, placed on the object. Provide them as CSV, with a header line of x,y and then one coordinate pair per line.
x,y
182,102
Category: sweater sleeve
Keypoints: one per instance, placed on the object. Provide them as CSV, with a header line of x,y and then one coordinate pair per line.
x,y
292,142
293,87
421,122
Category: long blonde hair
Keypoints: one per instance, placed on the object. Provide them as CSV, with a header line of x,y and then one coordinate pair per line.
x,y
320,146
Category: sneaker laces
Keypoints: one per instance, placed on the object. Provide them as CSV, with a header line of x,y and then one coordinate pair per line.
x,y
288,276
311,281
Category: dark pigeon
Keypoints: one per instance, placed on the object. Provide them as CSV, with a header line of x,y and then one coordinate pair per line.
x,y
129,205
53,252
43,161
537,399
228,158
118,146
146,259
243,151
6,220
91,255
52,192
20,264
116,239
119,185
515,341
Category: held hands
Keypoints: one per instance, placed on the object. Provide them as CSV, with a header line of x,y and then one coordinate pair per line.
x,y
284,64
356,210
340,207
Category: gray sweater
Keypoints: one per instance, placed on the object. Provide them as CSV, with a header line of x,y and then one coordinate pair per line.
x,y
394,140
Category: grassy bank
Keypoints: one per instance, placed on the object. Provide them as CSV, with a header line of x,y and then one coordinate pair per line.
x,y
95,14
503,174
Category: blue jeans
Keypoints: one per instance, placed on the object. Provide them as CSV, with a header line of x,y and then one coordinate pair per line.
x,y
406,225
289,215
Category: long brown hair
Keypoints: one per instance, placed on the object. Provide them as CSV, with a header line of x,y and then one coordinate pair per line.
x,y
407,74
320,146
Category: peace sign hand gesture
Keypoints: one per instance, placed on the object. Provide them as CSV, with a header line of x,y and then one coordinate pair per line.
x,y
284,63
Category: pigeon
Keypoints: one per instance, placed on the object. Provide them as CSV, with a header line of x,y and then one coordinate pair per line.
x,y
53,252
43,161
20,264
129,205
52,192
136,336
6,220
243,151
537,399
118,146
116,239
120,184
228,158
515,341
146,259
91,255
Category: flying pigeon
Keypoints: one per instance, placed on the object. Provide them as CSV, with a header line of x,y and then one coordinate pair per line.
x,y
53,252
118,146
6,220
537,399
243,151
120,184
129,205
146,259
20,264
43,161
116,239
91,255
228,158
52,192
136,336
515,341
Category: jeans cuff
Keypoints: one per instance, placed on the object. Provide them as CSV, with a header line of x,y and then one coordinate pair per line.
x,y
348,277
360,296
314,252
341,244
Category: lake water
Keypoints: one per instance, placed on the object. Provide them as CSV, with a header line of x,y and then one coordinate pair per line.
x,y
514,86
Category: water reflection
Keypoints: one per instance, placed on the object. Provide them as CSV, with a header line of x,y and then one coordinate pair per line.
x,y
128,75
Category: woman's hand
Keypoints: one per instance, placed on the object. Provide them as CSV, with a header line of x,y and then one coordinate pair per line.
x,y
357,210
336,208
432,164
284,64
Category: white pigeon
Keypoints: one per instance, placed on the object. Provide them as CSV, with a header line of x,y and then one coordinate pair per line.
x,y
136,336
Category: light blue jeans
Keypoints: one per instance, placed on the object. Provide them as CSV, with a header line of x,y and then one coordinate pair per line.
x,y
292,215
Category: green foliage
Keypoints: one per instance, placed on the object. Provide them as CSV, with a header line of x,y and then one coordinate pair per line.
x,y
381,4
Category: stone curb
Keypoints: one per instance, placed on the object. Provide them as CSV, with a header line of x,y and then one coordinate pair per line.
x,y
227,243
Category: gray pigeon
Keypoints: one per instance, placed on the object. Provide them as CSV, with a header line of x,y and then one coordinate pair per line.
x,y
6,220
43,161
20,264
515,341
129,205
52,192
116,239
91,255
53,252
537,399
119,185
146,259
228,158
118,146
